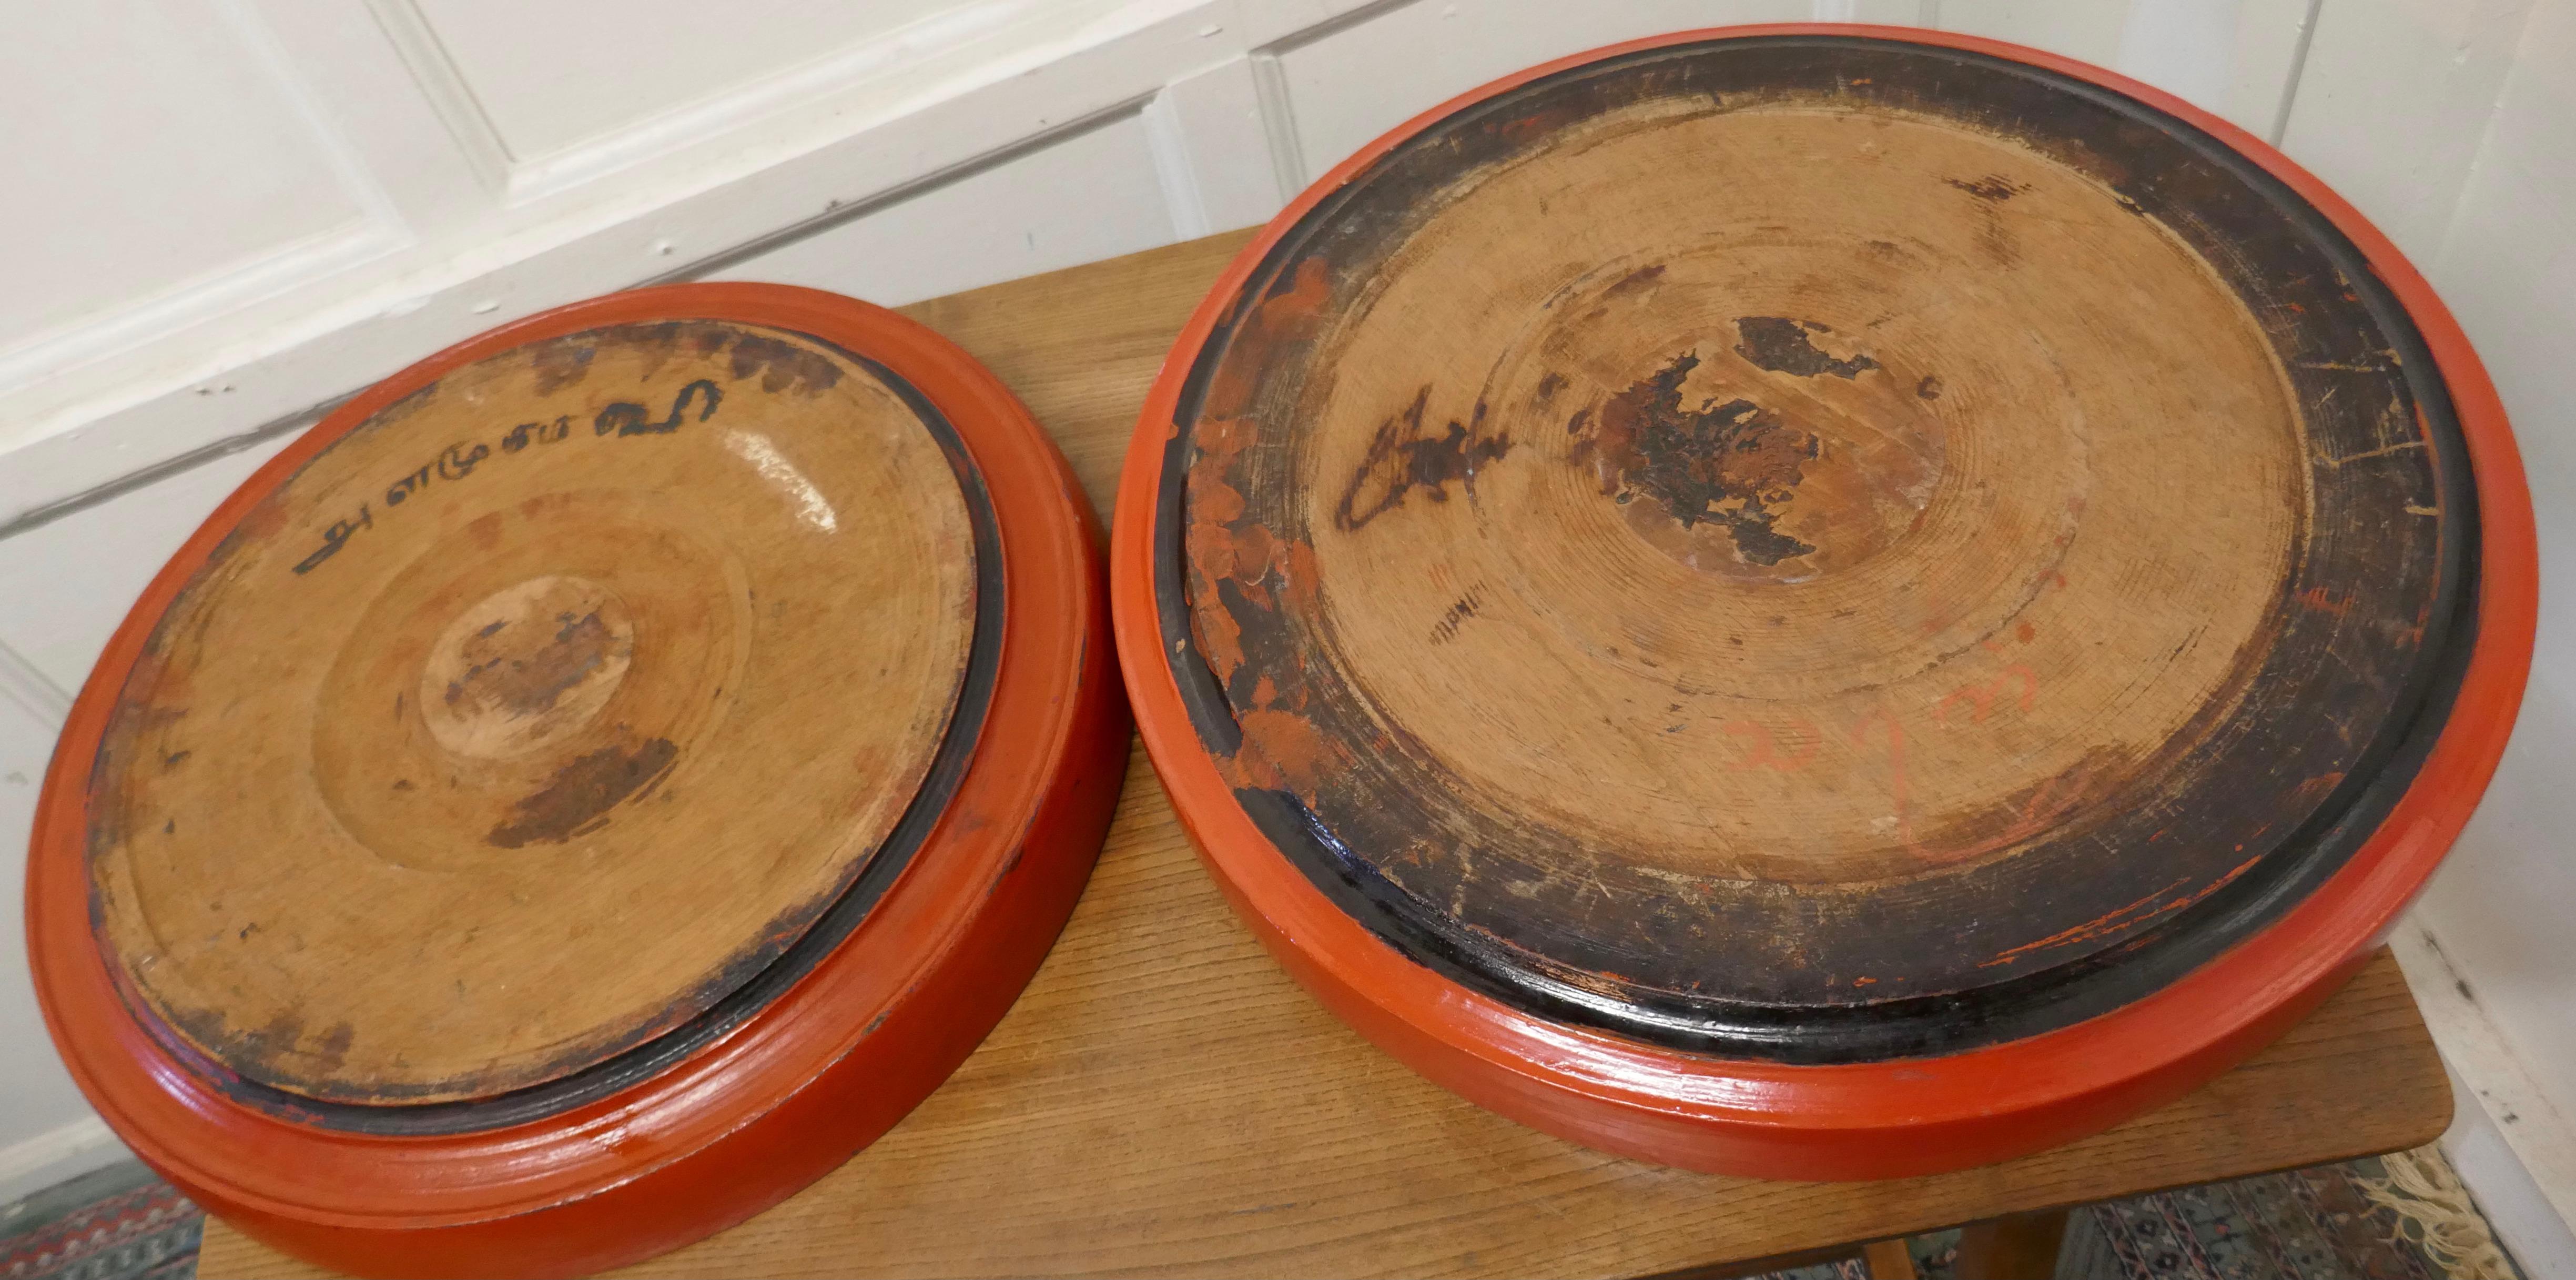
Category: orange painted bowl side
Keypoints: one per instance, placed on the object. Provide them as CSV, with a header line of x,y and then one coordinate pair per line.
x,y
1899,1117
760,1111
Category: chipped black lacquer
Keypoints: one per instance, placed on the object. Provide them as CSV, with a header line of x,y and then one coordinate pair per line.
x,y
759,974
1724,975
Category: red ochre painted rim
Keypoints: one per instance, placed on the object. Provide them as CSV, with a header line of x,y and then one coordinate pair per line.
x,y
1903,1117
820,1072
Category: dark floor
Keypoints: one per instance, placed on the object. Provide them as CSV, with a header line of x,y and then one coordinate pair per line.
x,y
2399,1217
2402,1217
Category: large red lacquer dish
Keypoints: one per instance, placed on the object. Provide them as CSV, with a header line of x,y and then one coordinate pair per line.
x,y
984,797
1241,596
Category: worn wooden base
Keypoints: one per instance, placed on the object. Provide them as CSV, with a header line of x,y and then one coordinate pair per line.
x,y
1888,1260
2012,1246
1528,968
818,1052
1165,1100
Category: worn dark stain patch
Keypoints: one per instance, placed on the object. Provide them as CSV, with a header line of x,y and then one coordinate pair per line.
x,y
1704,967
1997,240
1733,464
1992,187
581,794
1549,385
333,1048
1929,388
1401,459
780,365
783,366
655,344
273,1040
1782,346
560,363
1635,282
529,682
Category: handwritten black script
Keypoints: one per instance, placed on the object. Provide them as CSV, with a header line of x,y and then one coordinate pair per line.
x,y
458,461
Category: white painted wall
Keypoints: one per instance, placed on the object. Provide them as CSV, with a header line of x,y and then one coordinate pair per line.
x,y
244,208
213,158
2504,257
46,1132
2452,125
650,58
1090,194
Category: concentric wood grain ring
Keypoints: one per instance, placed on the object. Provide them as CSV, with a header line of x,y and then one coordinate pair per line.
x,y
534,742
584,789
1791,555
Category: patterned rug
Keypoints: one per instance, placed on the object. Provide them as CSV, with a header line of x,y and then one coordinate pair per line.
x,y
2399,1217
120,1223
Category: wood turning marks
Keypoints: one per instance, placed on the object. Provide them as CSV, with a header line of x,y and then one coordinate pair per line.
x,y
536,714
1798,527
525,666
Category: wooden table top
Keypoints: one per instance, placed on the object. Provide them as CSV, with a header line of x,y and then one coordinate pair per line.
x,y
1164,1100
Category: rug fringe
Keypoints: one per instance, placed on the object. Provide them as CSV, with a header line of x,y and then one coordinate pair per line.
x,y
2426,1193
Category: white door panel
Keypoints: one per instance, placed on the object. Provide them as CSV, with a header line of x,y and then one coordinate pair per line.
x,y
150,150
65,586
2508,271
2086,29
1084,197
36,1095
547,76
2393,103
1348,87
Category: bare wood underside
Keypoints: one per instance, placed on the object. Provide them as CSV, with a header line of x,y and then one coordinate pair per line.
x,y
1853,527
1147,1136
536,714
1801,526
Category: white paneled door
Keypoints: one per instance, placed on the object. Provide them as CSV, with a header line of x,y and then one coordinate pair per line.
x,y
1091,194
165,166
